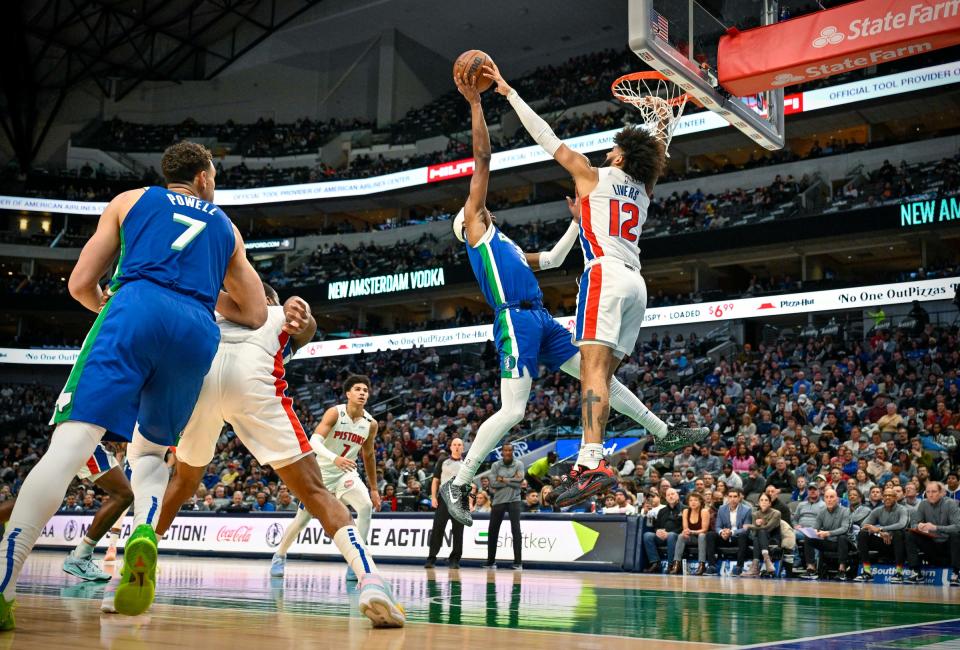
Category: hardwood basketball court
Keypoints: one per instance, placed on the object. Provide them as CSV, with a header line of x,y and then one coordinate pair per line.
x,y
227,603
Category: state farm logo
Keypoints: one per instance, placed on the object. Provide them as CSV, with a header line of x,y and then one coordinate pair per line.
x,y
787,78
239,535
828,36
449,170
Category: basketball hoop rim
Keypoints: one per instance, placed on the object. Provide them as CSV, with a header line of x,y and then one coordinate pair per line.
x,y
679,100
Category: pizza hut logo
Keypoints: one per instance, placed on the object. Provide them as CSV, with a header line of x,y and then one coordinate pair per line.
x,y
828,36
766,305
238,535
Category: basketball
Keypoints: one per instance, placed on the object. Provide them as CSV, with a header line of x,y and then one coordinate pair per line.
x,y
470,63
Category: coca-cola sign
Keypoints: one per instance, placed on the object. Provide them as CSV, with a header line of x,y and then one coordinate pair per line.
x,y
238,535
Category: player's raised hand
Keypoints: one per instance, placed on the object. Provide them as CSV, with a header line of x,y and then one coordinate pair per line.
x,y
468,90
492,72
573,205
297,314
345,464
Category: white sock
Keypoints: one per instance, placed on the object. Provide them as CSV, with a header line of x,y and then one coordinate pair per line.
x,y
41,495
113,535
514,395
622,400
296,526
148,478
354,551
85,548
591,453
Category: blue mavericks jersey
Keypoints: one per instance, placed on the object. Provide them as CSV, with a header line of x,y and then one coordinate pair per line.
x,y
502,270
176,241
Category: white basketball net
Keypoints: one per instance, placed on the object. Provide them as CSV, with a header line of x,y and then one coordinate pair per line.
x,y
660,102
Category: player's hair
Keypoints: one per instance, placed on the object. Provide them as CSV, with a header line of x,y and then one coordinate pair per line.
x,y
181,162
353,380
270,292
643,154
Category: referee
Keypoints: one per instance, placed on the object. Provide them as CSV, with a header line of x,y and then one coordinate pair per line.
x,y
445,470
506,477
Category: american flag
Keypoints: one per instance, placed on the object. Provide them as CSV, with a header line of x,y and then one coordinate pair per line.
x,y
659,25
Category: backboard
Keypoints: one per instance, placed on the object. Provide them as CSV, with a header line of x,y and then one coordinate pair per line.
x,y
679,38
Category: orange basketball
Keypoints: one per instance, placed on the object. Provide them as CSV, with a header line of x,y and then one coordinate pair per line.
x,y
470,63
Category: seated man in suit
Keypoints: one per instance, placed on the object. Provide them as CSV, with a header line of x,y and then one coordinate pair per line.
x,y
731,528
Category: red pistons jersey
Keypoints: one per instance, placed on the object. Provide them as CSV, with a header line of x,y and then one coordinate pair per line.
x,y
611,217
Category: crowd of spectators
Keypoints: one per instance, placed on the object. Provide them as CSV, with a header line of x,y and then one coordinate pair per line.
x,y
813,424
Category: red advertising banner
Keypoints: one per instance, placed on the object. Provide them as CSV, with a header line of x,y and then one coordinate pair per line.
x,y
826,43
446,171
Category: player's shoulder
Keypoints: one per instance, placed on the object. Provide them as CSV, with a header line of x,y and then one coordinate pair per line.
x,y
369,418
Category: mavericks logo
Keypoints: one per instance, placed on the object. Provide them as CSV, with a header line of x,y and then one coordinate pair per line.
x,y
70,530
509,363
274,534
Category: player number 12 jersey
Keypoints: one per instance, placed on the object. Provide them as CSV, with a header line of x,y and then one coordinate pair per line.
x,y
611,217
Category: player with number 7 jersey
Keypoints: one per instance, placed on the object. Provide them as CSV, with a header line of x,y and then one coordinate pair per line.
x,y
142,364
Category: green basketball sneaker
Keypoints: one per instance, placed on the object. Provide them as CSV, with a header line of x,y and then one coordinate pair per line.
x,y
138,579
6,614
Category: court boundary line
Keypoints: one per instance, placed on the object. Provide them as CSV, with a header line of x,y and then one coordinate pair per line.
x,y
838,634
706,644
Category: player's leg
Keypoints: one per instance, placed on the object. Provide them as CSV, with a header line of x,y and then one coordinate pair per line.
x,y
514,395
39,499
376,597
622,400
278,564
80,561
358,498
182,485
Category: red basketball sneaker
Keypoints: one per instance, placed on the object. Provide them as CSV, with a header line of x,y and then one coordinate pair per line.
x,y
584,483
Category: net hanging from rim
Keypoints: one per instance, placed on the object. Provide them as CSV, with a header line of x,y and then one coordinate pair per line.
x,y
659,100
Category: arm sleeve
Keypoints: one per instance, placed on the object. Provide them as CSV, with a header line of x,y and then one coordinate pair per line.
x,y
535,125
556,255
323,452
438,470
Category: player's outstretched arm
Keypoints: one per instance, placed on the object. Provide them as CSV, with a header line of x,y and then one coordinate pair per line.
x,y
584,174
327,424
300,325
244,302
99,252
556,255
370,464
475,217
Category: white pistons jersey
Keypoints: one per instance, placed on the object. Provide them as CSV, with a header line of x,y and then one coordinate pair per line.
x,y
345,439
270,338
611,217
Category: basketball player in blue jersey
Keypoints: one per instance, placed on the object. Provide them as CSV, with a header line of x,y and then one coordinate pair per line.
x,y
526,334
142,363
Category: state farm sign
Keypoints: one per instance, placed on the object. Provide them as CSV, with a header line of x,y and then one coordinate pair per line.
x,y
825,43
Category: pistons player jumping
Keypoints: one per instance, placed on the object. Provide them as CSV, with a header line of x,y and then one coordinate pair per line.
x,y
613,296
525,333
344,431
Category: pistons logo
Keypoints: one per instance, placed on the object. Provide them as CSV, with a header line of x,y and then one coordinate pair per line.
x,y
348,484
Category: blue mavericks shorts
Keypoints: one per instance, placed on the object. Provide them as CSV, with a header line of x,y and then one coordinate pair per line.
x,y
143,361
528,337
